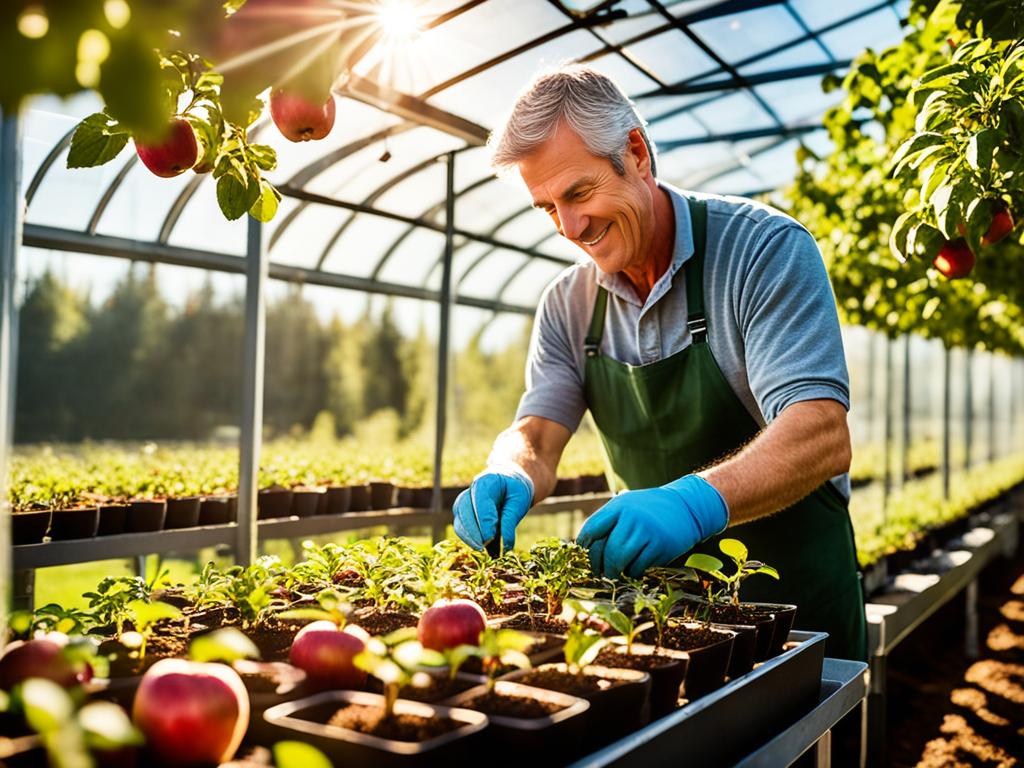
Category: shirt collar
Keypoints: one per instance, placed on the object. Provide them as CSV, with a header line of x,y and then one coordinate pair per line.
x,y
619,286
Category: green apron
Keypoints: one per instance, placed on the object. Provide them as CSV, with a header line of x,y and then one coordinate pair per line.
x,y
677,415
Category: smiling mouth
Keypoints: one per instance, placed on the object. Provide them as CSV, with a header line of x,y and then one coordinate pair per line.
x,y
599,238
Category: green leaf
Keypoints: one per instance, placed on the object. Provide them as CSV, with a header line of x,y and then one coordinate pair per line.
x,y
107,726
913,145
767,570
234,197
298,754
47,706
149,613
980,148
264,156
703,562
898,236
226,644
265,207
98,139
734,548
302,614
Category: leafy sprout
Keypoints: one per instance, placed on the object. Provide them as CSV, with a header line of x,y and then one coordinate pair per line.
x,y
498,648
736,551
582,644
398,659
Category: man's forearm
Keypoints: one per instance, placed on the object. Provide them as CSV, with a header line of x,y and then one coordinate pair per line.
x,y
533,451
807,444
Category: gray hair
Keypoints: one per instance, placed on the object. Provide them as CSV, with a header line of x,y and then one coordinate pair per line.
x,y
588,101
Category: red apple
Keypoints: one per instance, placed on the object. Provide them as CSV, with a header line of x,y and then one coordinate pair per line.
x,y
325,654
954,259
191,712
449,623
300,119
175,154
42,657
1001,226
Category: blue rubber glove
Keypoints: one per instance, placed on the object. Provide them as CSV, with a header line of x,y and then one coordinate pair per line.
x,y
640,529
506,489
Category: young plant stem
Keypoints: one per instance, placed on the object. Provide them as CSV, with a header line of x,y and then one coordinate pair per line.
x,y
390,697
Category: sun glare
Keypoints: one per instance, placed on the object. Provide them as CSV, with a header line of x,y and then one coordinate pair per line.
x,y
399,19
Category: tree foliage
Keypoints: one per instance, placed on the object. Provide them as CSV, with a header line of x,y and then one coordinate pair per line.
x,y
855,206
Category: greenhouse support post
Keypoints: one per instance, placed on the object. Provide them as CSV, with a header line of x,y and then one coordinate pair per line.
x,y
10,239
252,393
888,436
905,458
445,306
991,407
968,406
947,364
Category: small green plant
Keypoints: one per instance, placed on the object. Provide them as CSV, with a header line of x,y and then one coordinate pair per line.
x,y
398,659
582,644
144,616
331,606
558,566
498,648
658,604
626,625
109,603
736,551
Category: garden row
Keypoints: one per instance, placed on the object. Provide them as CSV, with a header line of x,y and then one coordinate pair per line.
x,y
382,653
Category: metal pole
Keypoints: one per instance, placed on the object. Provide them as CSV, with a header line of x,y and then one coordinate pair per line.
x,y
968,406
252,393
888,435
445,308
871,392
947,365
12,210
905,459
991,407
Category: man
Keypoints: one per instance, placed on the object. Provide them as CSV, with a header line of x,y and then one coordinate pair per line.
x,y
702,336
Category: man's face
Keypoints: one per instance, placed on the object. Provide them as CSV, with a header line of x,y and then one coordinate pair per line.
x,y
609,216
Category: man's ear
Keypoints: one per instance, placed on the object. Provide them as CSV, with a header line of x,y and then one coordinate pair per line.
x,y
637,152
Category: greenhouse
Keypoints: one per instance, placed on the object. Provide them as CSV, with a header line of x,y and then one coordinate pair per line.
x,y
357,408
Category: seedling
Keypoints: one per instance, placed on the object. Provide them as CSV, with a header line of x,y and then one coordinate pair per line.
x,y
712,566
144,616
397,659
625,625
332,607
659,604
582,645
109,603
559,566
498,648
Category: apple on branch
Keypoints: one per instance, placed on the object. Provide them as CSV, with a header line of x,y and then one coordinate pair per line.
x,y
175,154
300,119
954,259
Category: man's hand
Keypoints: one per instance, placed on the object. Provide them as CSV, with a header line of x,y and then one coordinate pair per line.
x,y
502,493
640,529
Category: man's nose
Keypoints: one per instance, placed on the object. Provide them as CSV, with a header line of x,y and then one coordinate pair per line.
x,y
574,224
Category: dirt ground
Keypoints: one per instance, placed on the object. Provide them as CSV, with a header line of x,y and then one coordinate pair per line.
x,y
947,710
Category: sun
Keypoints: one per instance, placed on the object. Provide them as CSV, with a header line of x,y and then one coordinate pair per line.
x,y
400,20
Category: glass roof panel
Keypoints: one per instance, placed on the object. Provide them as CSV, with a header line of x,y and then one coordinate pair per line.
x,y
741,35
460,44
799,101
303,242
528,228
879,30
414,195
362,245
67,197
526,287
735,112
486,97
629,78
738,182
353,120
654,107
483,208
45,121
801,55
641,19
681,126
556,245
672,56
472,165
776,166
140,204
677,166
412,261
364,173
484,280
817,14
462,259
204,227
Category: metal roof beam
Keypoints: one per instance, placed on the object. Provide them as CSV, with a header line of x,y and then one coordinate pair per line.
x,y
56,238
762,78
757,133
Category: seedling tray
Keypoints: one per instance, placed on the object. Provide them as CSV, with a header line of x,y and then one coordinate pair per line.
x,y
724,726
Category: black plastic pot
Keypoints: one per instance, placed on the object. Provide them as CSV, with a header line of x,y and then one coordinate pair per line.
x,y
256,675
359,498
449,493
752,615
593,484
112,519
300,720
555,739
744,647
29,527
339,497
182,513
614,711
145,515
708,664
416,497
382,494
218,510
273,503
77,523
568,486
784,615
666,678
305,501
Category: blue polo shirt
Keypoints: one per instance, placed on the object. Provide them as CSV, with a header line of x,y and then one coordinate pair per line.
x,y
772,321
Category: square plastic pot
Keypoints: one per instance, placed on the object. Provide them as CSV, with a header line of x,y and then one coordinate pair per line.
x,y
552,739
295,720
77,523
218,510
29,527
182,513
666,678
145,516
112,519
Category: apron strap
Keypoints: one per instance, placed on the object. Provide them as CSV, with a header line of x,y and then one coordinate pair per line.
x,y
695,320
592,343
